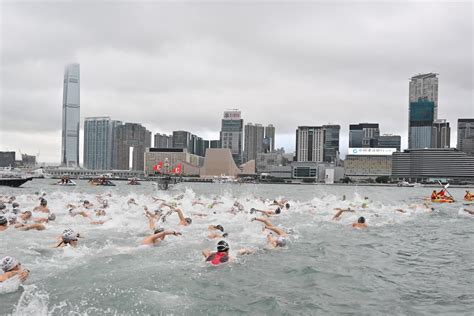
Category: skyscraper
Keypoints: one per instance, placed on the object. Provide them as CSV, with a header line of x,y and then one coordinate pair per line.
x,y
71,116
423,109
440,134
331,143
231,135
270,138
131,142
425,87
253,145
99,142
390,141
466,135
363,135
309,144
163,141
421,118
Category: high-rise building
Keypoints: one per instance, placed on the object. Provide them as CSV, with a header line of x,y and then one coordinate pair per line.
x,y
71,116
7,158
99,140
253,145
309,144
183,139
231,135
440,134
131,141
421,118
331,143
215,143
390,141
163,141
363,135
269,142
466,135
423,109
425,87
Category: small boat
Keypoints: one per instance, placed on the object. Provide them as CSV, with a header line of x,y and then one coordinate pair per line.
x,y
102,181
405,184
14,182
13,177
133,181
70,183
442,200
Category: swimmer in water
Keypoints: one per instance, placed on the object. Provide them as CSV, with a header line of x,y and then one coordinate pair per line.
x,y
51,217
43,207
3,208
12,267
86,204
267,213
69,237
3,223
360,223
158,236
272,241
220,256
183,221
132,202
282,204
213,234
152,217
340,212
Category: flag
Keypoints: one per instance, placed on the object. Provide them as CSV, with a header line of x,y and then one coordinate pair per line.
x,y
177,169
158,166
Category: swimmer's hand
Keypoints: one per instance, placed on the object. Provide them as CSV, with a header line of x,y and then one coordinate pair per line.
x,y
177,234
252,219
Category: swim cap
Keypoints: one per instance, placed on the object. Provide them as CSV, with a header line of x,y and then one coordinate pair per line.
x,y
225,235
51,217
159,230
11,218
219,227
188,220
281,242
43,202
69,235
278,211
3,220
15,205
15,211
287,205
252,210
8,263
86,202
222,246
361,220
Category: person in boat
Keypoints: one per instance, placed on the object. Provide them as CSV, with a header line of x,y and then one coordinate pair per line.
x,y
218,257
360,223
434,195
341,211
272,241
441,194
468,196
12,267
43,207
158,235
68,237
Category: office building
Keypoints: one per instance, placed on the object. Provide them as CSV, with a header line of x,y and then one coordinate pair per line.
x,y
368,163
163,141
99,135
432,164
440,134
465,141
131,141
421,118
331,143
254,141
71,116
269,138
425,87
389,141
231,135
7,158
309,144
363,135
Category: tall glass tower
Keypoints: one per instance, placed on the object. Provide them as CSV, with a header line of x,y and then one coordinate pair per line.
x,y
232,134
71,116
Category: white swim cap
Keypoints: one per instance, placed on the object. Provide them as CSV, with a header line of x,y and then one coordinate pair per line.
x,y
8,263
69,235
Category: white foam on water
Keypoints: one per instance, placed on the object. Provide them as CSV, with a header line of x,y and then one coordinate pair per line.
x,y
32,302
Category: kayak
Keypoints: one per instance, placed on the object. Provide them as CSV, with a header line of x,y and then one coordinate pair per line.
x,y
442,200
469,200
66,184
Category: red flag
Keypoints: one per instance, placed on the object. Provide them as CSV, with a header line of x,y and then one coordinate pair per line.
x,y
177,169
158,166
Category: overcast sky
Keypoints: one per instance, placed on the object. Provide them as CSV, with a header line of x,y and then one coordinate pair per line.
x,y
179,66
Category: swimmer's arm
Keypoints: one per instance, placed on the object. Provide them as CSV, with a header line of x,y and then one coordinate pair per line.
x,y
338,214
276,230
5,276
263,220
206,253
180,214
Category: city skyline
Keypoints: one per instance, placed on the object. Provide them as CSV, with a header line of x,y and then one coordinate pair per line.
x,y
314,72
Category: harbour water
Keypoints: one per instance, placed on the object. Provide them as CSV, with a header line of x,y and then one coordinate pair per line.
x,y
417,263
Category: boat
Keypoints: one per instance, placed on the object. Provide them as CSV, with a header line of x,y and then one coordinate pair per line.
x,y
469,200
65,181
442,200
405,184
13,177
133,181
102,181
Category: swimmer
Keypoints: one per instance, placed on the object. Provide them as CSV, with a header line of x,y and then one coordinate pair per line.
x,y
340,212
35,226
267,213
51,217
214,235
12,267
273,242
3,208
158,236
469,211
152,218
86,204
183,221
237,207
360,223
132,202
3,223
43,207
218,257
69,237
74,212
99,214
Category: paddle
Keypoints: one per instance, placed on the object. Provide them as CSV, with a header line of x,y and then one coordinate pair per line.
x,y
445,187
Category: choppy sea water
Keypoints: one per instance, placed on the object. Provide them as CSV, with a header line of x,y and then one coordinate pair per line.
x,y
415,263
